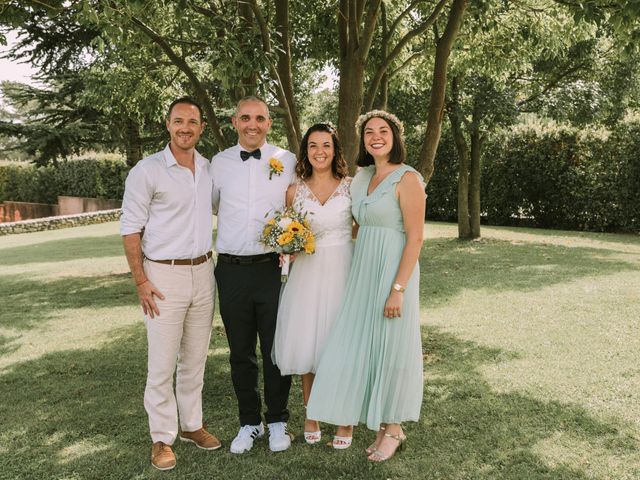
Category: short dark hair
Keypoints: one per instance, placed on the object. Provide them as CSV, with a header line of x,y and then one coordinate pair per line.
x,y
339,166
398,152
189,101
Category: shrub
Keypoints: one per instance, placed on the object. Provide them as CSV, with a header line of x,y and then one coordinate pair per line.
x,y
92,178
564,178
549,177
82,178
27,184
442,190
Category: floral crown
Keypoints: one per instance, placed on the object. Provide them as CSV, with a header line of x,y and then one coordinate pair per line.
x,y
389,117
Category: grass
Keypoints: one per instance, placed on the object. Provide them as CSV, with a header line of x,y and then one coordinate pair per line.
x,y
531,366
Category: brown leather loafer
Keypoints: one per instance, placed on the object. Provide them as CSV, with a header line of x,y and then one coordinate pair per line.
x,y
202,439
162,456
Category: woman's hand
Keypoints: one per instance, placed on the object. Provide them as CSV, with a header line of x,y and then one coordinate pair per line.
x,y
393,305
292,258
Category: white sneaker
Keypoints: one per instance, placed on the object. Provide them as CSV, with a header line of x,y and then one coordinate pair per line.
x,y
244,440
279,437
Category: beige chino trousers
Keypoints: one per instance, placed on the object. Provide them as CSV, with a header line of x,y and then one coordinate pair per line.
x,y
178,337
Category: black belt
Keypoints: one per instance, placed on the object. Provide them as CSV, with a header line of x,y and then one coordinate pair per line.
x,y
247,259
184,261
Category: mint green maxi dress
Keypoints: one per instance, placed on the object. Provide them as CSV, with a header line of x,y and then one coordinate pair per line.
x,y
371,368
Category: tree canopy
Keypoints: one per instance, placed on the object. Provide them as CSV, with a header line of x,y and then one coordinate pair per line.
x,y
219,51
109,68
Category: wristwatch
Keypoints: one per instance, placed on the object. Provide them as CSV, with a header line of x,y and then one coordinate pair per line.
x,y
398,288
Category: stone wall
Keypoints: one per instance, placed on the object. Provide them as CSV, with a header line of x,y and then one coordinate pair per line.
x,y
54,223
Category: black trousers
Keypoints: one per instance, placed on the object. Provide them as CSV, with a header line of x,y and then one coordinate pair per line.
x,y
249,297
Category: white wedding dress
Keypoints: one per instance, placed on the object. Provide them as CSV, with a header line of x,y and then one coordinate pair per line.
x,y
312,296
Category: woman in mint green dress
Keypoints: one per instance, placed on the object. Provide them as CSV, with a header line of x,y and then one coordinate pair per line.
x,y
371,369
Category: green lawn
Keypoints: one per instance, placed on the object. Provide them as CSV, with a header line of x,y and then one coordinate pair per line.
x,y
531,341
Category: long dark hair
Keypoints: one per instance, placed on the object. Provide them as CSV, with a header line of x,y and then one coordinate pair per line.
x,y
339,166
398,152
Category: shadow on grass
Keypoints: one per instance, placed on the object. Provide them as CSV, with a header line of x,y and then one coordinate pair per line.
x,y
27,302
63,250
8,345
79,414
475,432
449,266
620,238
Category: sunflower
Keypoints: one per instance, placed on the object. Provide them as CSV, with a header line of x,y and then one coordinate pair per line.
x,y
285,238
275,167
310,246
295,227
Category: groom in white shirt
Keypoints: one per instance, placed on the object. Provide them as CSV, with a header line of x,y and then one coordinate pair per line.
x,y
245,189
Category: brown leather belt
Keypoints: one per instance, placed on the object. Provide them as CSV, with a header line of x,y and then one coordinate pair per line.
x,y
184,261
247,259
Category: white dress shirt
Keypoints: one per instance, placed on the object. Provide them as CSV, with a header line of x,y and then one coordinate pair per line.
x,y
244,196
172,206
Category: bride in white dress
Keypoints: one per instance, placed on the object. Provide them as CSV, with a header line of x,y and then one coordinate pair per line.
x,y
313,293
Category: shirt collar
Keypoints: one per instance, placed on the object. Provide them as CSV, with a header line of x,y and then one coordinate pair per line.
x,y
170,160
264,146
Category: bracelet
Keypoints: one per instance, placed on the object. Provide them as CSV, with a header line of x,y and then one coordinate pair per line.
x,y
145,281
398,288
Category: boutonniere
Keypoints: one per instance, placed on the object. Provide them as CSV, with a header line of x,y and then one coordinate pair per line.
x,y
275,167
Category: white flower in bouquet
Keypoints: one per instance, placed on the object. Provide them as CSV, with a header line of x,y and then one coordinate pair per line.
x,y
284,222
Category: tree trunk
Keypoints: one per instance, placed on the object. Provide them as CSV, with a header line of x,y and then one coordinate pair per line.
x,y
356,26
383,95
133,142
350,97
389,56
294,135
383,98
455,117
438,88
284,72
474,182
249,84
281,70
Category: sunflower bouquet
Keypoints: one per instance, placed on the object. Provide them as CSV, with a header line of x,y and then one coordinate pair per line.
x,y
288,232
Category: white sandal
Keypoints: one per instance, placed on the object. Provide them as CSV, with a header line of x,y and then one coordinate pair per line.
x,y
341,443
312,437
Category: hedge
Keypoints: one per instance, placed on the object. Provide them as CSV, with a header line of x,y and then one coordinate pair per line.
x,y
551,177
80,178
442,189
